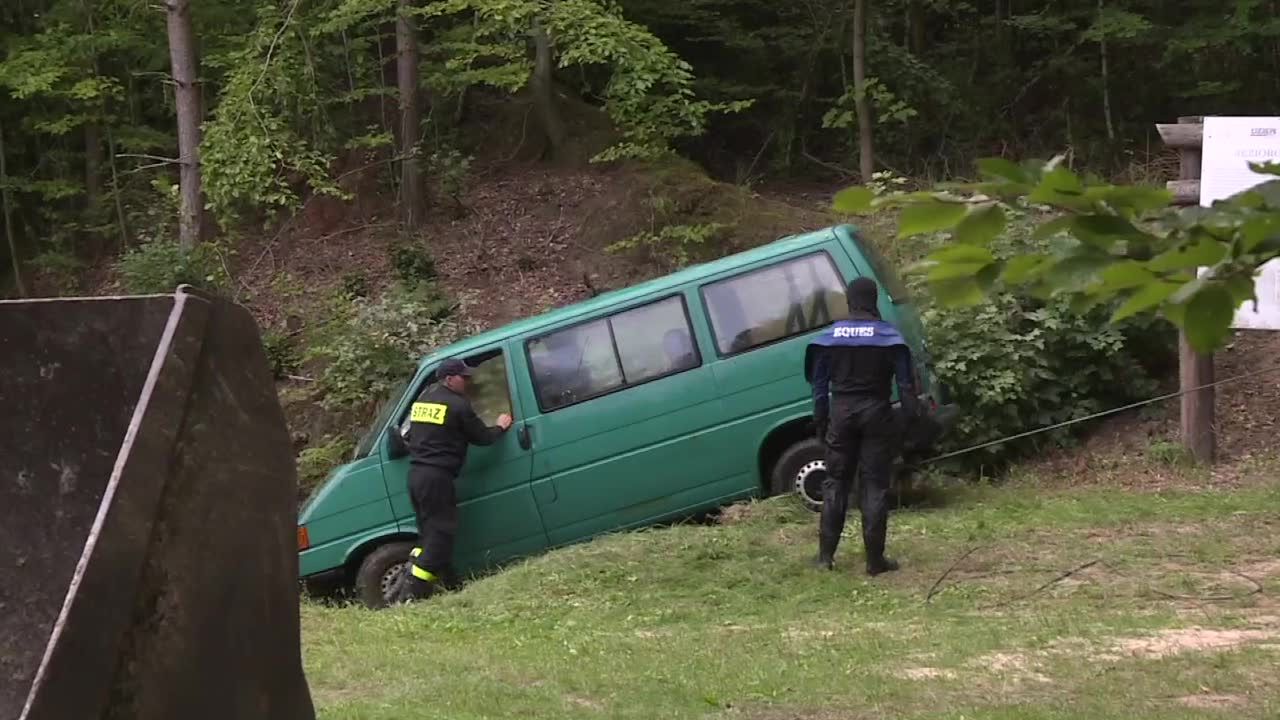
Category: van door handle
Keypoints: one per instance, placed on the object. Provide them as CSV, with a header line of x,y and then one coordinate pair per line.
x,y
523,437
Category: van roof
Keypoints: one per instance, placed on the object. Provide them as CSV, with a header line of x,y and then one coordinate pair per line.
x,y
635,292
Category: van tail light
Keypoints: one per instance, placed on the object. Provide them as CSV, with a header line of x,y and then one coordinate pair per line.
x,y
304,538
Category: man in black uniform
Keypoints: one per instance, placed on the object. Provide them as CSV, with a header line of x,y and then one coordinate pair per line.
x,y
443,423
850,367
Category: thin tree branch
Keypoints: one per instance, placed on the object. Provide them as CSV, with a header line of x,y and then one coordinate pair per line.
x,y
160,160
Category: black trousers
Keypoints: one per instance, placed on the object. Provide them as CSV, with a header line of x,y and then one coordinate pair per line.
x,y
435,507
861,438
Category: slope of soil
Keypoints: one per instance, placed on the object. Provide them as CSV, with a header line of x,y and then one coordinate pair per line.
x,y
527,237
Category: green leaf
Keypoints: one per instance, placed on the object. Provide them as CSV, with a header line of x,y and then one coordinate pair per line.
x,y
981,225
1204,253
1053,227
1144,299
1024,267
929,216
1125,275
1078,271
1104,231
1059,187
853,201
1002,168
1134,198
1208,319
960,253
1263,194
1243,289
957,292
1256,230
1265,168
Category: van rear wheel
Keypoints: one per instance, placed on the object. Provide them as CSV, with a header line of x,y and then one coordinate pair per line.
x,y
801,470
380,572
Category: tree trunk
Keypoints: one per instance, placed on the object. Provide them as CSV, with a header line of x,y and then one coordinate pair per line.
x,y
8,218
1106,84
115,189
916,19
862,105
412,197
543,86
182,55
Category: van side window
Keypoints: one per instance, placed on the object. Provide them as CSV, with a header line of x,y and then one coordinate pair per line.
x,y
775,303
654,340
574,364
629,348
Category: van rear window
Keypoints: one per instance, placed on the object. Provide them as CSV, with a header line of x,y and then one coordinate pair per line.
x,y
775,303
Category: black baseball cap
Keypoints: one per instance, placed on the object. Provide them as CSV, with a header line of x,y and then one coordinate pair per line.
x,y
453,366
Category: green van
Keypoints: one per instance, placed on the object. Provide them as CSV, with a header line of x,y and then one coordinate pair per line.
x,y
639,406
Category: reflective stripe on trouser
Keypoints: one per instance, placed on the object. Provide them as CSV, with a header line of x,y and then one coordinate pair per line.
x,y
436,508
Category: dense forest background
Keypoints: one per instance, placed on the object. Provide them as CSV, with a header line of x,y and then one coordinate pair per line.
x,y
284,93
155,141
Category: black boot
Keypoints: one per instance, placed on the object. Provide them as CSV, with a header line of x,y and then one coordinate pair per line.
x,y
826,559
413,588
882,564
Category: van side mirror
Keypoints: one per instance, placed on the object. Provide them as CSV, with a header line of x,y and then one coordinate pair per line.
x,y
396,446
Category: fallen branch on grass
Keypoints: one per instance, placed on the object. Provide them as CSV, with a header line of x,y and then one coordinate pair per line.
x,y
1257,590
1061,576
936,583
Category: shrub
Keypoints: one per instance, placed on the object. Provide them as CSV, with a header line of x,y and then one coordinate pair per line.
x,y
412,264
159,266
1016,362
315,462
59,267
675,246
282,354
372,345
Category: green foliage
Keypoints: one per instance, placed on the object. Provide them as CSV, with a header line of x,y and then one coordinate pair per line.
x,y
1016,362
412,263
370,346
649,93
1170,454
282,352
316,462
1124,249
59,267
674,245
160,266
448,168
355,285
271,127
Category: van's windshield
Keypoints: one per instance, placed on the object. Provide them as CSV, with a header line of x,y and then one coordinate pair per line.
x,y
371,435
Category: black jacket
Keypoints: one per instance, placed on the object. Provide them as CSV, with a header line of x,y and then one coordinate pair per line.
x,y
442,424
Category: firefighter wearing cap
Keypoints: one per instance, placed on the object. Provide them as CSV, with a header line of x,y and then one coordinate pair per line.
x,y
850,367
442,425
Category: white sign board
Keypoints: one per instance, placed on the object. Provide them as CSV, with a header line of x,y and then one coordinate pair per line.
x,y
1230,144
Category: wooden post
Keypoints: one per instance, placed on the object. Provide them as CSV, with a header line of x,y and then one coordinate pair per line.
x,y
1195,369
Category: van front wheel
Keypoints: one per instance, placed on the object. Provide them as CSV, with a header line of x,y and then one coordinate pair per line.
x,y
380,572
801,470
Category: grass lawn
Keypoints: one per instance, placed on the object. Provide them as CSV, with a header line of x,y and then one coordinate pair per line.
x,y
1171,613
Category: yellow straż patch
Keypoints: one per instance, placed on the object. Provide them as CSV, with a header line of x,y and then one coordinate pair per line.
x,y
432,413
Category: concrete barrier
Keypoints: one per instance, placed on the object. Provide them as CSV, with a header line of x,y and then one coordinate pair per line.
x,y
147,515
